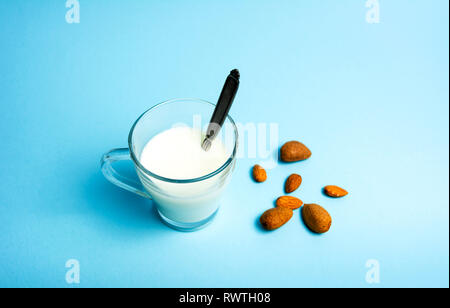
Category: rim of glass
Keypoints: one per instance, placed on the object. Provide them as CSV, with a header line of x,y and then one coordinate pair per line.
x,y
198,179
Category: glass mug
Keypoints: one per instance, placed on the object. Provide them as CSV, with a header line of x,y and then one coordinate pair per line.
x,y
183,204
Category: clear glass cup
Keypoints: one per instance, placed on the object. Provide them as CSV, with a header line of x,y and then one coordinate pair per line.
x,y
183,204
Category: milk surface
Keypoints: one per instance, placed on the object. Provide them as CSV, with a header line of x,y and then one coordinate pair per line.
x,y
177,154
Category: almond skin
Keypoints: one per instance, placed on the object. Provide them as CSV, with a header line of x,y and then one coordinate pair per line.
x,y
335,191
289,202
316,218
292,183
274,218
294,151
259,174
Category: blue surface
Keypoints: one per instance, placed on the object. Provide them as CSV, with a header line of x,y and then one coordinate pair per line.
x,y
370,100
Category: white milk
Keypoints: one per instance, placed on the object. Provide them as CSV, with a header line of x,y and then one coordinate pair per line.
x,y
177,154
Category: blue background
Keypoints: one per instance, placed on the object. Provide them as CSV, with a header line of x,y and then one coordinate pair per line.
x,y
370,100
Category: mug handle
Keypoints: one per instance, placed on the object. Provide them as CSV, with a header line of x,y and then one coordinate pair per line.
x,y
115,177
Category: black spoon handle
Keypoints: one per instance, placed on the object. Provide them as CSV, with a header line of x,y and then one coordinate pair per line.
x,y
222,108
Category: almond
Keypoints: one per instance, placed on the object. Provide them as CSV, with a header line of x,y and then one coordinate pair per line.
x,y
335,191
292,183
289,202
316,218
274,218
294,151
259,174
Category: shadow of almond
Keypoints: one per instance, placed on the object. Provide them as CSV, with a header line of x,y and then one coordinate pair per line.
x,y
259,227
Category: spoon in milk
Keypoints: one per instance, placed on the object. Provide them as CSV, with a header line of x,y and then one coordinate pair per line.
x,y
223,106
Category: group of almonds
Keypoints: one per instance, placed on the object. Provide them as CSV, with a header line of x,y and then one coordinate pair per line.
x,y
316,218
